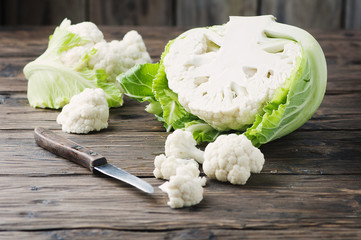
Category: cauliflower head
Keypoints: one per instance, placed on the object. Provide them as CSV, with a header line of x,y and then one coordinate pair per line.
x,y
165,167
232,158
184,189
181,144
252,75
87,111
213,82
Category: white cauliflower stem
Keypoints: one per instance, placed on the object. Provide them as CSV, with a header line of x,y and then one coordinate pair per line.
x,y
87,111
165,167
232,158
226,74
184,189
181,144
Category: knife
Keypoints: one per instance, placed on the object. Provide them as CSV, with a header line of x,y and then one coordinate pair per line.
x,y
85,157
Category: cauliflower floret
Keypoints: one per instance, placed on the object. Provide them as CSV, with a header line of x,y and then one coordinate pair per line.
x,y
232,158
114,57
181,144
87,111
87,30
183,189
165,167
119,56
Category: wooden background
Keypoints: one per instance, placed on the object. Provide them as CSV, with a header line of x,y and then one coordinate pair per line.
x,y
309,14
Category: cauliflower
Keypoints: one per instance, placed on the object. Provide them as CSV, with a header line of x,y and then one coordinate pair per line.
x,y
232,158
184,189
227,91
181,144
87,111
114,57
165,167
179,167
251,75
87,30
118,56
79,57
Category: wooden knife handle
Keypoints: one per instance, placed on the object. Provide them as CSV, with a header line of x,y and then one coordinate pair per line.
x,y
67,149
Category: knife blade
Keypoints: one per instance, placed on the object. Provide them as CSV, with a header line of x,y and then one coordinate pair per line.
x,y
85,157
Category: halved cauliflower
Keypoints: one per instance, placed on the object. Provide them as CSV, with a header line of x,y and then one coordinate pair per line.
x,y
225,75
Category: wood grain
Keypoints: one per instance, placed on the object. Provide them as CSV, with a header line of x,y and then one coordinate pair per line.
x,y
212,12
42,12
131,12
289,201
309,187
352,14
310,14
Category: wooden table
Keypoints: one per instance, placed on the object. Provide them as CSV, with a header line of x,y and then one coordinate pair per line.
x,y
310,186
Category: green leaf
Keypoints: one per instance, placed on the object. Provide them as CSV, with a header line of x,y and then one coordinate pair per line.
x,y
137,82
306,89
201,131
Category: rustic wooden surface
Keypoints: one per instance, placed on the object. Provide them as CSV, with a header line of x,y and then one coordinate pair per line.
x,y
314,14
309,188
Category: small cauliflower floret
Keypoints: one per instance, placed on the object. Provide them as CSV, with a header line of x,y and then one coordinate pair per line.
x,y
87,111
183,189
232,158
88,31
165,167
119,56
181,144
84,29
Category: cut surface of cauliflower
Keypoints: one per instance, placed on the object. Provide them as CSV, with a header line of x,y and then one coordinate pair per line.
x,y
232,158
184,189
165,167
181,144
204,67
86,111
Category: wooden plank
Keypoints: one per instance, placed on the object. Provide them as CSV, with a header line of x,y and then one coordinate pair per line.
x,y
308,14
43,12
341,52
212,12
192,233
352,14
13,46
302,152
131,12
266,202
337,112
309,187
